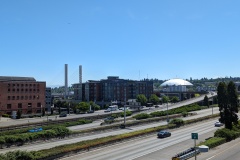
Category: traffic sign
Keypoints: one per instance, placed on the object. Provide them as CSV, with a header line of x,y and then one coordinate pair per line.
x,y
194,135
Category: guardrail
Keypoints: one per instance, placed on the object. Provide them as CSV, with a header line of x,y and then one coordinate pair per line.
x,y
186,154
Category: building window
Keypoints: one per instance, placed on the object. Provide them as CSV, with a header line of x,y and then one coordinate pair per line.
x,y
22,90
13,90
30,90
8,97
9,106
29,105
18,85
8,89
38,97
19,105
17,97
26,97
26,85
38,104
9,85
34,97
30,97
26,90
34,90
22,97
17,90
22,85
38,111
13,97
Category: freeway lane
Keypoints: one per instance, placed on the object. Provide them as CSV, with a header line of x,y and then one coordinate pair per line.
x,y
145,145
51,144
227,151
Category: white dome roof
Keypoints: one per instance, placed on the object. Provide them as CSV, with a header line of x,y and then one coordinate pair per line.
x,y
176,82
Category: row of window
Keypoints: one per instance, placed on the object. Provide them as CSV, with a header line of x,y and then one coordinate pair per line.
x,y
9,106
26,85
22,90
22,97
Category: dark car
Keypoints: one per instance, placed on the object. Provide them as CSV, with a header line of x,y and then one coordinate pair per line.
x,y
218,124
163,134
63,115
91,111
109,119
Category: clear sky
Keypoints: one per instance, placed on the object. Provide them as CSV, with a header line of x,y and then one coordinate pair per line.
x,y
132,39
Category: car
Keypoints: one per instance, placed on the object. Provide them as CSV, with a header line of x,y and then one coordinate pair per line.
x,y
218,124
156,106
122,108
163,134
109,119
91,111
63,115
108,110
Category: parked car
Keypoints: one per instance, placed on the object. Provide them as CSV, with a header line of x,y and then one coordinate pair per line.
x,y
157,106
63,115
218,124
163,134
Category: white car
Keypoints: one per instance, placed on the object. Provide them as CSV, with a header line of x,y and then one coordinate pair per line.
x,y
218,124
122,108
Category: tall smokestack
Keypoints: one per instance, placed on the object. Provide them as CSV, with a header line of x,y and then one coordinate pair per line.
x,y
80,74
66,81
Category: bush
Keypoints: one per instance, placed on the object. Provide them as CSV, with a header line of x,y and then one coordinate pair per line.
x,y
177,122
227,133
213,142
142,116
184,114
128,113
5,115
115,115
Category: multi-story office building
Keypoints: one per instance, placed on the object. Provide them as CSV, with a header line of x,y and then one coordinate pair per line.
x,y
112,89
21,93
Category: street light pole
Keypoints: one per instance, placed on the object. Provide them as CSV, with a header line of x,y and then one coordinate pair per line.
x,y
167,106
212,101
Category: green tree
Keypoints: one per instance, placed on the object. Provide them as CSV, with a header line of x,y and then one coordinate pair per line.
x,y
165,99
227,103
233,102
142,99
83,106
19,114
174,99
154,99
43,111
205,101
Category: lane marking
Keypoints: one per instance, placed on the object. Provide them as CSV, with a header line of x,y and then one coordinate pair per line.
x,y
222,151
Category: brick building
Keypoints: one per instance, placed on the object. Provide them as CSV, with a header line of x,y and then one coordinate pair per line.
x,y
21,93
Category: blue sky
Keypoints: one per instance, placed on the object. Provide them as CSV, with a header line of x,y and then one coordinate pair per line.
x,y
131,39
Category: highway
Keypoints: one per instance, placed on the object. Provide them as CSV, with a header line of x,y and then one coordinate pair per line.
x,y
144,148
57,142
